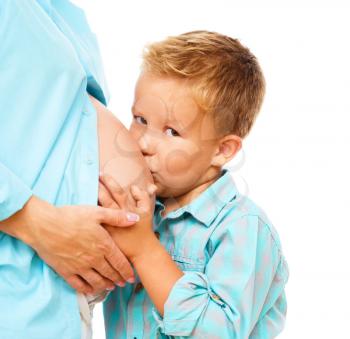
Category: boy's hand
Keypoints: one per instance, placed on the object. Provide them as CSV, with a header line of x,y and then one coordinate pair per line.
x,y
140,237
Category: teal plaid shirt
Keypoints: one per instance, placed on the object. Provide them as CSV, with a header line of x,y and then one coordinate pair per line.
x,y
234,274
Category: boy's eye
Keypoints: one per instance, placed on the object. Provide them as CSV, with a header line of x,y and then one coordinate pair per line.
x,y
171,132
140,120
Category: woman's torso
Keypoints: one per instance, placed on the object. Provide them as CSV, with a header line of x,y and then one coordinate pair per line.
x,y
119,155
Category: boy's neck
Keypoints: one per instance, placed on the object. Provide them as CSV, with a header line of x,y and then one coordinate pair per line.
x,y
172,204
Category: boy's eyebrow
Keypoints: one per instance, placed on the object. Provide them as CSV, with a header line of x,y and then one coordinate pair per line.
x,y
134,111
178,125
171,121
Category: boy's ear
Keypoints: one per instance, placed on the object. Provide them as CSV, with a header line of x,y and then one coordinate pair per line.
x,y
228,147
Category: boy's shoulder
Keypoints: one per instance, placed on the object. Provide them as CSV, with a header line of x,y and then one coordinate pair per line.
x,y
223,211
237,213
244,212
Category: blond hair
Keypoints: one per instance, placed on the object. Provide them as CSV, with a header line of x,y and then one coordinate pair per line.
x,y
225,76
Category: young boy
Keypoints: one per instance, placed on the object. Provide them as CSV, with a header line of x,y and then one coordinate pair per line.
x,y
210,264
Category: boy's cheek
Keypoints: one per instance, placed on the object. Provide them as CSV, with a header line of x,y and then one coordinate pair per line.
x,y
172,186
178,162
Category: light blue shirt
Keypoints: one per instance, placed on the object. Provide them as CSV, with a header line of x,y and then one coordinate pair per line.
x,y
234,274
49,60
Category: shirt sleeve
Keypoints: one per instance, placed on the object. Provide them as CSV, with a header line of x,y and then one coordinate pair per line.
x,y
13,193
237,287
272,322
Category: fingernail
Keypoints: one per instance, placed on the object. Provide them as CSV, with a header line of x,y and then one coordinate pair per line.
x,y
131,280
110,288
120,284
132,217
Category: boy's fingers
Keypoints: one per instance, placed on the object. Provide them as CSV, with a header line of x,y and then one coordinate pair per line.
x,y
105,198
142,198
151,189
138,195
136,192
117,192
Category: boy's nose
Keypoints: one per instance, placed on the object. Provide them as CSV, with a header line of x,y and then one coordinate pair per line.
x,y
147,144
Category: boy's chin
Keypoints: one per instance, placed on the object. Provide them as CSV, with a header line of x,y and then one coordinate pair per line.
x,y
162,192
166,193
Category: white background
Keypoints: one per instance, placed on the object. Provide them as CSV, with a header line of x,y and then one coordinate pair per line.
x,y
296,159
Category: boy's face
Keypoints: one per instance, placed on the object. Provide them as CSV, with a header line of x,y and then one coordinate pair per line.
x,y
177,140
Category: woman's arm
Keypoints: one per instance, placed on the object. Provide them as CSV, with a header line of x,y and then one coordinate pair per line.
x,y
59,234
71,240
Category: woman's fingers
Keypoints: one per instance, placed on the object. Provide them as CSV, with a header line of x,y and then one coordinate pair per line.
x,y
113,217
120,263
97,282
79,284
107,271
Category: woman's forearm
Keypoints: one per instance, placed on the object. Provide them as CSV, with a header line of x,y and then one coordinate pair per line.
x,y
21,224
72,241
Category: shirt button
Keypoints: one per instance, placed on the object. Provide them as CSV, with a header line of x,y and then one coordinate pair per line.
x,y
89,161
157,234
138,287
215,297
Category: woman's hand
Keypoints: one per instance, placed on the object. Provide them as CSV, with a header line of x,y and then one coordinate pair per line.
x,y
72,241
134,240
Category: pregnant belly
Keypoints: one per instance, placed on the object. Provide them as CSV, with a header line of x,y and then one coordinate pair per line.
x,y
119,154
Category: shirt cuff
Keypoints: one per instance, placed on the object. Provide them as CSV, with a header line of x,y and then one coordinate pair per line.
x,y
188,299
14,194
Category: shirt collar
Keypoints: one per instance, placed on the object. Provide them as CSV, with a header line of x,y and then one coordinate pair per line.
x,y
209,203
